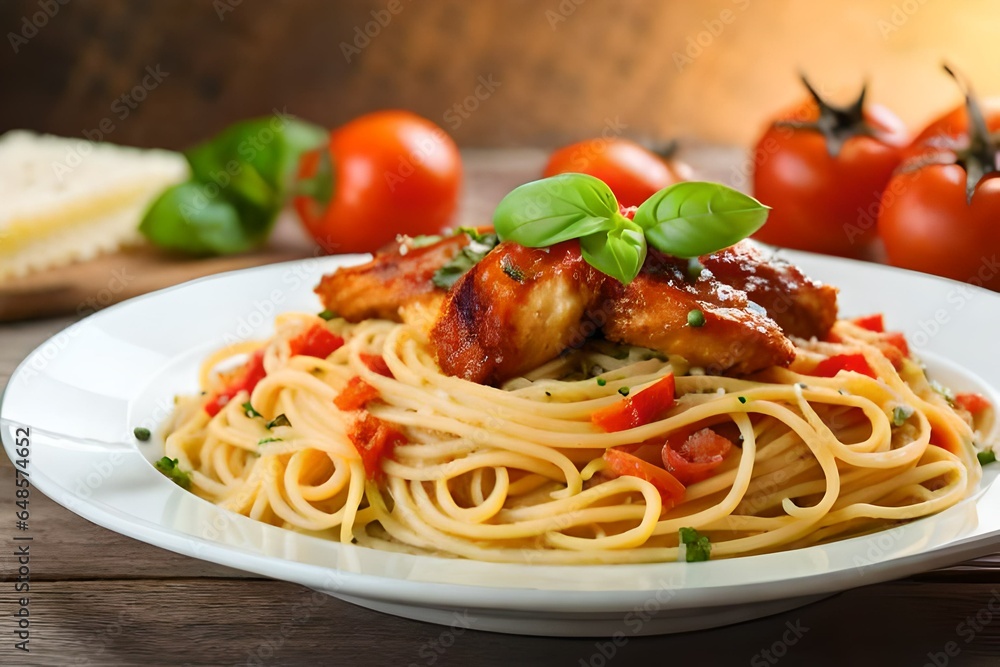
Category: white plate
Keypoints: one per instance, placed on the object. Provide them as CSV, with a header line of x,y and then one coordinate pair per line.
x,y
83,391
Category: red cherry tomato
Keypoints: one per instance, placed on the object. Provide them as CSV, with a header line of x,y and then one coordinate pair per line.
x,y
389,173
632,172
823,202
952,128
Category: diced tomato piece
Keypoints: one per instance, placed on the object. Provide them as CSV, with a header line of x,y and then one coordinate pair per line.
x,y
829,367
316,341
697,457
974,403
622,463
871,322
897,340
356,395
374,439
245,380
641,408
376,362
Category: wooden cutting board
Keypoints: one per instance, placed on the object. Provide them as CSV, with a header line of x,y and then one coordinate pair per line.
x,y
85,287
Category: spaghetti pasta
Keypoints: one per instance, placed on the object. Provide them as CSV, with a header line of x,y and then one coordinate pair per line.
x,y
518,473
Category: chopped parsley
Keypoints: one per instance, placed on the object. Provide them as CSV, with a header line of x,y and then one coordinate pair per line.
x,y
623,391
947,393
264,441
986,457
467,258
694,268
327,315
696,318
141,433
169,467
601,382
698,547
250,412
512,271
549,394
280,420
900,414
742,399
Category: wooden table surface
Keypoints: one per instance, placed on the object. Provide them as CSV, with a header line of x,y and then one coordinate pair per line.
x,y
98,598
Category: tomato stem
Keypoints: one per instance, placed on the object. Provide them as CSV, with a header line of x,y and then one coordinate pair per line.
x,y
837,124
979,158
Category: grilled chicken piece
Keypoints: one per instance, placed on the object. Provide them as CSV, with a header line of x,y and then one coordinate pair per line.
x,y
516,309
398,275
652,311
801,306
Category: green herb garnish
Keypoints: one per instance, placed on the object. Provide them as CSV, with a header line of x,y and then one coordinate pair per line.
x,y
141,433
280,420
264,441
986,457
468,257
601,382
240,181
742,399
623,391
694,268
685,220
900,414
327,315
512,271
944,391
698,547
696,318
250,412
169,467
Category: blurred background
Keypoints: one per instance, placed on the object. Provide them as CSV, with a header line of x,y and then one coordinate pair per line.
x,y
556,70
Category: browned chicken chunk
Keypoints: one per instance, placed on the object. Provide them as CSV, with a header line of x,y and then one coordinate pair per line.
x,y
397,276
652,311
516,309
801,306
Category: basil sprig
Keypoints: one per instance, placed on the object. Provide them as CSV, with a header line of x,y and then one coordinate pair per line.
x,y
685,220
240,180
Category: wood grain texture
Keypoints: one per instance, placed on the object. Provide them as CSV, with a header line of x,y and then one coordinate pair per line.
x,y
714,69
189,621
98,598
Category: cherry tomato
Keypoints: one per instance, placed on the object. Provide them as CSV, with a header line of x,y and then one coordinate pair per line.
x,y
824,186
387,173
632,172
937,218
952,128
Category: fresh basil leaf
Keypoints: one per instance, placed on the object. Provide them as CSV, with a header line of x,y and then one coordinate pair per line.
x,y
556,209
254,159
240,180
692,218
467,258
619,253
186,219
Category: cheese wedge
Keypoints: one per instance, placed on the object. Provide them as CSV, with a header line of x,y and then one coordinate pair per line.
x,y
64,200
